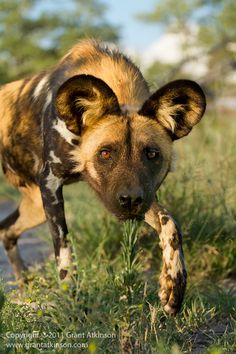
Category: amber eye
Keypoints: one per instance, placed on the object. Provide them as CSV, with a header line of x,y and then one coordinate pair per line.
x,y
105,154
152,154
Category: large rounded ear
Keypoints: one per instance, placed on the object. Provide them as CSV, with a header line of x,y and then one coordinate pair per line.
x,y
82,100
178,106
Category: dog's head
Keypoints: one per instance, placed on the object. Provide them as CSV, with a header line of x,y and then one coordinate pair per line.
x,y
126,156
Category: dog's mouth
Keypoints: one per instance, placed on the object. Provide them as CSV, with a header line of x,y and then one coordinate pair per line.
x,y
131,214
128,213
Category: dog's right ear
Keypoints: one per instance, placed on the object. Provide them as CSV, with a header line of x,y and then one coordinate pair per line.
x,y
177,106
84,99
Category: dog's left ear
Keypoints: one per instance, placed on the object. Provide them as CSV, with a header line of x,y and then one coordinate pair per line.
x,y
178,106
82,100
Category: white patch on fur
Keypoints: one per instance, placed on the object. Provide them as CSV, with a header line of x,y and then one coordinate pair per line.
x,y
53,183
61,233
64,261
40,86
61,128
176,264
167,252
166,230
79,164
47,102
54,158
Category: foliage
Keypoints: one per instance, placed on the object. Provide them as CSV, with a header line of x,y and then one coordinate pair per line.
x,y
33,34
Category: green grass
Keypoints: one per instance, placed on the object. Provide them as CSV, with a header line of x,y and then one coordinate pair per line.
x,y
115,291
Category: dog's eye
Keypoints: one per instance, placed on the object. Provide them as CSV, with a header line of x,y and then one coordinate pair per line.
x,y
105,154
152,153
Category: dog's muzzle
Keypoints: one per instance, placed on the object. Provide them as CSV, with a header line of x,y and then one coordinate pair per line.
x,y
131,203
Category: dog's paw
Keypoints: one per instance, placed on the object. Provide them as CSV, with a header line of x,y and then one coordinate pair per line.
x,y
172,291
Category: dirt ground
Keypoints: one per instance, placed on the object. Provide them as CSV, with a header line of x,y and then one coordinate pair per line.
x,y
204,336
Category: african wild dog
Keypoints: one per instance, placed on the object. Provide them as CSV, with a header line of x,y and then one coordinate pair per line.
x,y
91,117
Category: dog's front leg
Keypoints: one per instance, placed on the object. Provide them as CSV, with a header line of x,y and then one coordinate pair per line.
x,y
52,196
173,274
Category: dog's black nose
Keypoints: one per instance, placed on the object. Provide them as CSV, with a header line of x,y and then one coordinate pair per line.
x,y
130,200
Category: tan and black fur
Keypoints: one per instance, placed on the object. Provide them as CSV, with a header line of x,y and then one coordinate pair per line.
x,y
91,117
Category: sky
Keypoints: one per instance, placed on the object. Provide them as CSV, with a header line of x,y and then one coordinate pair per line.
x,y
142,40
134,33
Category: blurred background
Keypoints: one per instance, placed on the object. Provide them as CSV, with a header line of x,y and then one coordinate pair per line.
x,y
167,38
